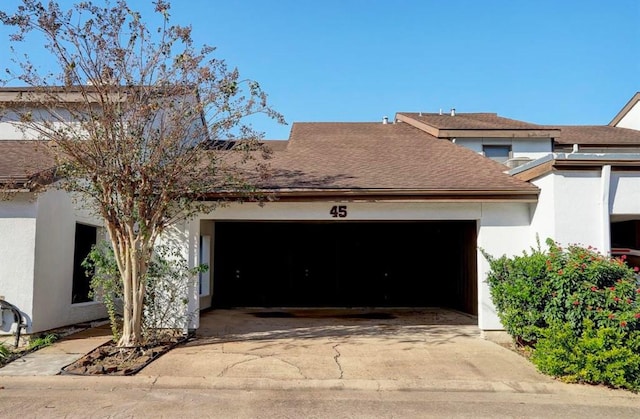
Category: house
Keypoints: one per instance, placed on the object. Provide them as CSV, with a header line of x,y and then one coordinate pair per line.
x,y
373,214
44,236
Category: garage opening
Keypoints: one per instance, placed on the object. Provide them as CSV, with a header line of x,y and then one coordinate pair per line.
x,y
347,264
625,240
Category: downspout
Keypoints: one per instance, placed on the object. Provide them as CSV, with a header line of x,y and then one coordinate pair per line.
x,y
606,217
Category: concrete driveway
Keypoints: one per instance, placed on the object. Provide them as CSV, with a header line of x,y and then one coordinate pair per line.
x,y
405,348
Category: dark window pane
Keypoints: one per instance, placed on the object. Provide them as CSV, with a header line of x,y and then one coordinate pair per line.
x,y
85,238
497,152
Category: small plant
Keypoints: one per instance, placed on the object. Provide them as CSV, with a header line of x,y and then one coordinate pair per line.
x,y
5,354
168,281
42,341
100,265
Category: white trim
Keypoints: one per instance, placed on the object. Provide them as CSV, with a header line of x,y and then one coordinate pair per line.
x,y
606,210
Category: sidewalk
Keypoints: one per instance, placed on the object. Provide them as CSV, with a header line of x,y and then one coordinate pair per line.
x,y
49,360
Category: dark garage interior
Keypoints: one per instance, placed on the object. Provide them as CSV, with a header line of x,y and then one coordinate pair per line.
x,y
345,264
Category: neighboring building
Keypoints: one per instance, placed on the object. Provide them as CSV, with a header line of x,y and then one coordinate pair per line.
x,y
384,214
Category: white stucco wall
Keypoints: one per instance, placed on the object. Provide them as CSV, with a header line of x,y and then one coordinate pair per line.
x,y
503,230
17,247
578,203
575,207
356,211
625,193
631,119
53,272
571,209
183,238
532,148
543,213
8,131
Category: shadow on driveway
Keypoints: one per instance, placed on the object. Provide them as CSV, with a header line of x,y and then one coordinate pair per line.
x,y
435,325
415,347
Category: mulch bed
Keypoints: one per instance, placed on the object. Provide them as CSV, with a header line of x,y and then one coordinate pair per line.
x,y
109,359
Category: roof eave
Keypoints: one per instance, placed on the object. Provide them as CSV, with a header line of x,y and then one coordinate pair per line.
x,y
499,133
480,132
625,110
438,195
577,161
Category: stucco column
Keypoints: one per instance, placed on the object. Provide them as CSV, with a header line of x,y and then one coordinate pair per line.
x,y
606,209
193,305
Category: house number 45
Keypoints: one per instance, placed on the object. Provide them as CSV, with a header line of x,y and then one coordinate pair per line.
x,y
338,211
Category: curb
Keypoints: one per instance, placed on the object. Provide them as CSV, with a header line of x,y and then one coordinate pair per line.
x,y
112,383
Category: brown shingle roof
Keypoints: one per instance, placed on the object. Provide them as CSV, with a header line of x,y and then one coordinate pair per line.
x,y
24,163
472,121
475,125
597,135
384,157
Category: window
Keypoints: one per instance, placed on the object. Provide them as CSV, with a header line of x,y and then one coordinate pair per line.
x,y
85,238
499,153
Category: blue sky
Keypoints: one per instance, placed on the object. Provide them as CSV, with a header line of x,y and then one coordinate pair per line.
x,y
542,61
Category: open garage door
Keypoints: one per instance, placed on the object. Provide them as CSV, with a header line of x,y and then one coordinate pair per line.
x,y
346,264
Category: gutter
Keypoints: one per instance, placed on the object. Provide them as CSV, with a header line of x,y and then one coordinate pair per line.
x,y
580,159
439,195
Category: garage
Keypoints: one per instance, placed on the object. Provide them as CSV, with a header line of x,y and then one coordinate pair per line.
x,y
345,264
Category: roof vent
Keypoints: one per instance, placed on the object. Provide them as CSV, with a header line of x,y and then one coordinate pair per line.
x,y
516,162
385,120
440,111
453,111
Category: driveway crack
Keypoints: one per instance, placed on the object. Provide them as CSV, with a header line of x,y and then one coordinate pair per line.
x,y
258,356
228,367
337,360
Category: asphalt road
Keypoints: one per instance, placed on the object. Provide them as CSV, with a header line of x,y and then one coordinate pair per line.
x,y
214,403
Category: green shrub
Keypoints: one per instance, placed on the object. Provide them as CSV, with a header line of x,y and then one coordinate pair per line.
x,y
607,355
532,290
519,288
587,285
576,309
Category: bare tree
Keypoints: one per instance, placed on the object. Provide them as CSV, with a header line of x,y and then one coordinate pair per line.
x,y
141,122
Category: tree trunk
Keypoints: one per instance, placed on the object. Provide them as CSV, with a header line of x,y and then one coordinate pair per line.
x,y
130,254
